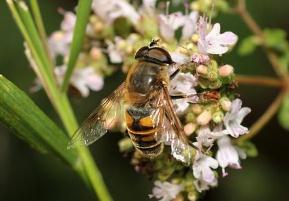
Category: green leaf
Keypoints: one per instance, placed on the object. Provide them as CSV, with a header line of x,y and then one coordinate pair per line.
x,y
83,12
275,38
248,45
249,148
25,118
283,115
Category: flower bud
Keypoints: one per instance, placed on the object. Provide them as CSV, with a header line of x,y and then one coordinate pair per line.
x,y
125,144
195,38
204,118
95,53
202,69
192,196
190,128
197,109
226,70
190,117
225,103
218,117
213,71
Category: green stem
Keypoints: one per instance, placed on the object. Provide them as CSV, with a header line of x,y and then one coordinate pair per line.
x,y
83,12
60,101
40,26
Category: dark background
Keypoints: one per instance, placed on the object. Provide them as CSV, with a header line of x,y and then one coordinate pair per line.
x,y
28,175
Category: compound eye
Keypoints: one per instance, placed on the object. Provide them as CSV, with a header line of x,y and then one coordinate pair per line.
x,y
142,52
160,54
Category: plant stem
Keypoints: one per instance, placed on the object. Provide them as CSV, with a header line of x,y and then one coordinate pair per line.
x,y
277,67
256,29
83,11
40,26
259,81
86,168
264,119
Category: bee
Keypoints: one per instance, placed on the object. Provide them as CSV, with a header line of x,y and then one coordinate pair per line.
x,y
144,102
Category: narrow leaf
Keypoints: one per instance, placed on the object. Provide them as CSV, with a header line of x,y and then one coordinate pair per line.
x,y
83,11
21,114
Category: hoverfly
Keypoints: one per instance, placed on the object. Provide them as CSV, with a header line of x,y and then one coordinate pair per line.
x,y
144,102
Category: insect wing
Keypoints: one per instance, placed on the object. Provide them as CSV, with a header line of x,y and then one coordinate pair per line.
x,y
174,134
105,117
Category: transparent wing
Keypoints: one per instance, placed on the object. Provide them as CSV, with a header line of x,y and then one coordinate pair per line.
x,y
109,114
174,134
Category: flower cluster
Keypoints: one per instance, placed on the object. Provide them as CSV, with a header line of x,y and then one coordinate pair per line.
x,y
211,113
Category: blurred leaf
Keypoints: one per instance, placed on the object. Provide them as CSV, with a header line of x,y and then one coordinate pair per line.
x,y
283,114
21,114
275,38
248,45
249,148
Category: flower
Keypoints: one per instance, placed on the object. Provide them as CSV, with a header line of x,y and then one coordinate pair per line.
x,y
149,5
228,155
206,137
200,58
179,58
165,191
168,24
121,48
59,41
82,79
183,84
234,118
110,10
202,169
214,42
190,25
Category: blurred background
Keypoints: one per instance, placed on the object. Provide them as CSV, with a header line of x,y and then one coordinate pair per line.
x,y
28,175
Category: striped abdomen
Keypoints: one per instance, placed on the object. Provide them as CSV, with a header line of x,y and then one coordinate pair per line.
x,y
143,130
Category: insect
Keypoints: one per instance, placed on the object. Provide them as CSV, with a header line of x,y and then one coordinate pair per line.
x,y
143,101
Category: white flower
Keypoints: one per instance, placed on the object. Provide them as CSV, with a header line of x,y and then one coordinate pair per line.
x,y
202,168
165,191
228,155
114,53
83,79
118,49
190,25
234,118
183,84
109,10
68,22
206,137
214,42
201,185
149,5
179,58
169,24
59,41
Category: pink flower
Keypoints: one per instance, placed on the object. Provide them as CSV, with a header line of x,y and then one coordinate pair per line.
x,y
202,168
190,25
169,24
109,10
183,84
83,79
165,191
214,42
234,118
59,41
228,155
